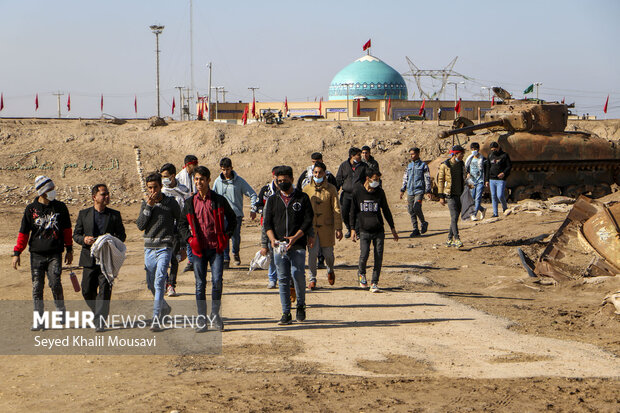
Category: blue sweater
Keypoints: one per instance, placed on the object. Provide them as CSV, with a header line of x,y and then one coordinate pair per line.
x,y
233,190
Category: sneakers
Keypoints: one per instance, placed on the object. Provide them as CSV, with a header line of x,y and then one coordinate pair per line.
x,y
156,327
293,294
237,259
165,311
189,267
171,292
99,329
202,329
362,280
312,285
449,242
457,243
331,278
286,319
474,218
271,285
483,212
301,313
374,288
415,233
424,227
494,216
216,322
348,234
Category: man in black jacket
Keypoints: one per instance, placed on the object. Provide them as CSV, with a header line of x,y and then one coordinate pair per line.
x,y
351,172
367,224
288,221
91,223
207,223
499,168
368,159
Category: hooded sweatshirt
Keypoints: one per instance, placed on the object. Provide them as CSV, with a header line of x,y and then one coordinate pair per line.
x,y
233,190
50,227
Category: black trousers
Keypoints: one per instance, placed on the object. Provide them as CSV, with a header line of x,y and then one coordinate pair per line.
x,y
50,264
97,292
377,240
346,201
174,263
454,205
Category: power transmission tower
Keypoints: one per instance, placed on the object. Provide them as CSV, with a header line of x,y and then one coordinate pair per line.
x,y
438,74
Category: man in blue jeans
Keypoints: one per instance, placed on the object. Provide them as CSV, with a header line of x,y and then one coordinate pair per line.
x,y
288,221
233,187
206,223
416,183
263,195
499,169
476,166
157,217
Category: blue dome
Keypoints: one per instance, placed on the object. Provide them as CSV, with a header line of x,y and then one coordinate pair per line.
x,y
368,77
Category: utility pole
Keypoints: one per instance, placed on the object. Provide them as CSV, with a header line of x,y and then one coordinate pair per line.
x,y
537,84
217,97
191,51
456,94
224,95
187,97
157,30
210,66
253,89
58,95
180,101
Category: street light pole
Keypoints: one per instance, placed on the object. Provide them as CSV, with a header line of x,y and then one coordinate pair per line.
x,y
157,30
210,66
537,84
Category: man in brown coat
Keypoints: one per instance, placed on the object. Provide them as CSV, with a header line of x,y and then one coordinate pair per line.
x,y
327,222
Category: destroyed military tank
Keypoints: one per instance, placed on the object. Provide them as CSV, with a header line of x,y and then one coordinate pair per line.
x,y
546,159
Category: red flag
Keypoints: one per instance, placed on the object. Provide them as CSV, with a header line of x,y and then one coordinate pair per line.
x,y
493,101
201,108
135,104
421,111
36,102
1,101
173,105
69,103
457,108
101,104
606,103
285,105
389,106
244,118
563,100
320,105
254,107
366,45
357,111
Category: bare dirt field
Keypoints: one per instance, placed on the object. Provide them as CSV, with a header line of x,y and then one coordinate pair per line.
x,y
454,330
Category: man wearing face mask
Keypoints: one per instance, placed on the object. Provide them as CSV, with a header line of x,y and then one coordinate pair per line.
x,y
476,166
367,225
350,173
306,176
450,186
46,229
327,222
180,193
186,178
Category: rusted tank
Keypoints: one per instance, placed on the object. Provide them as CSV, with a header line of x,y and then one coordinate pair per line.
x,y
546,159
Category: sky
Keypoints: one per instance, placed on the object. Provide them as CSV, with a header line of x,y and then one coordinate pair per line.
x,y
294,49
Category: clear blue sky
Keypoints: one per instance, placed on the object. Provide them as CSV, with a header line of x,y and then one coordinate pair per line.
x,y
294,49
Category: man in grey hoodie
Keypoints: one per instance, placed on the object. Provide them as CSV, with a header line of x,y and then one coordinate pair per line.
x,y
157,218
233,187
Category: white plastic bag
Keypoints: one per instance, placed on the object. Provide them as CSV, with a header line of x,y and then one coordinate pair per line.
x,y
260,261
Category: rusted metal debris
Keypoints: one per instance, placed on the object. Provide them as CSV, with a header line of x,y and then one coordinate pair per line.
x,y
597,253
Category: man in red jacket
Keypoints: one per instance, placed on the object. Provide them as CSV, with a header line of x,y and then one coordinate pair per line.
x,y
206,223
46,228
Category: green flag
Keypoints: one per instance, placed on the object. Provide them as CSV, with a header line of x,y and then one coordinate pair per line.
x,y
529,89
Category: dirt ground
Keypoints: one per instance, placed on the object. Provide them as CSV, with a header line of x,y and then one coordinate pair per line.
x,y
454,330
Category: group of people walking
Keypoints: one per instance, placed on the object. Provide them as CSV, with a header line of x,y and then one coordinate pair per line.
x,y
189,214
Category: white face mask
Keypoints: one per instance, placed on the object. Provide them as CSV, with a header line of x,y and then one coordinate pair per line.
x,y
166,182
475,153
374,184
51,195
318,180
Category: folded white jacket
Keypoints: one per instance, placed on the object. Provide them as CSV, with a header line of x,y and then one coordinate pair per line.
x,y
109,253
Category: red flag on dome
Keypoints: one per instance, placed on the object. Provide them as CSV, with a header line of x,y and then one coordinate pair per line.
x,y
69,103
421,111
101,103
366,45
357,111
389,106
457,108
36,102
173,105
606,103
